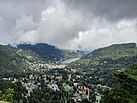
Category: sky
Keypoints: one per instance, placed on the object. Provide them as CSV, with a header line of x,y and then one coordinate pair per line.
x,y
68,24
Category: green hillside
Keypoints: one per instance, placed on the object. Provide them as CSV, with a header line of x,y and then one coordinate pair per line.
x,y
115,51
29,55
10,62
125,89
45,52
100,63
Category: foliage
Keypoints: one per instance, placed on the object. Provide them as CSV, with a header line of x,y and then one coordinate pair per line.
x,y
11,63
126,91
114,51
45,51
8,95
100,63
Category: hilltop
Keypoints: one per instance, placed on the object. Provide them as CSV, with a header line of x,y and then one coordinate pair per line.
x,y
114,51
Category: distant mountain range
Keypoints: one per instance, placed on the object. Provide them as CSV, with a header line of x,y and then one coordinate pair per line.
x,y
13,59
48,52
114,51
98,63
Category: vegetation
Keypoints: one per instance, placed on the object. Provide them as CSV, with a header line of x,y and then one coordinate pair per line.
x,y
29,55
100,63
11,91
115,51
46,52
125,90
11,63
15,92
107,71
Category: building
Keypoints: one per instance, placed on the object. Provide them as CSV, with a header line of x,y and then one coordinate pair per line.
x,y
98,98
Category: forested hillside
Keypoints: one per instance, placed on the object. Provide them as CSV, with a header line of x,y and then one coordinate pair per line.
x,y
100,63
115,51
46,52
125,89
10,62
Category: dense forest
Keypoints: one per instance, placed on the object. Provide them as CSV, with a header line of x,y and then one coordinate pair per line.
x,y
100,63
48,52
125,89
11,63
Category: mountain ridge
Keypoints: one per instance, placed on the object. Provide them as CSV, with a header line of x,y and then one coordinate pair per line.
x,y
117,48
48,52
101,62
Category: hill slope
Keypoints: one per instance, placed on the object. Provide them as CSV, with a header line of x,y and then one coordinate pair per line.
x,y
47,52
100,63
10,62
125,89
114,51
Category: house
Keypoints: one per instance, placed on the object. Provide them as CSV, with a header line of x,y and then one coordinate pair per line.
x,y
98,98
76,97
86,91
53,86
58,78
69,77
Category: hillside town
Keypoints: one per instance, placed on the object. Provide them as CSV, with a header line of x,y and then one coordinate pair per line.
x,y
58,78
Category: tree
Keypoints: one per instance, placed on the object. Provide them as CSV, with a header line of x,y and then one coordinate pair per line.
x,y
9,95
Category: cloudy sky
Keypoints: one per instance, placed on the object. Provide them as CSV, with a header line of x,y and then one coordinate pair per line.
x,y
74,24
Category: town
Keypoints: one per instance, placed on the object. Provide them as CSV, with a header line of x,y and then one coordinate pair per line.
x,y
58,78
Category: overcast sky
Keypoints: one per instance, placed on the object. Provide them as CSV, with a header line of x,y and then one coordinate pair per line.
x,y
74,24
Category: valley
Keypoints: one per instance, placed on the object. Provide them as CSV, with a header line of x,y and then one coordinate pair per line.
x,y
69,77
69,60
68,51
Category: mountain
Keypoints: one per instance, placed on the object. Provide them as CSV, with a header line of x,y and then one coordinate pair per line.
x,y
29,56
47,52
114,51
100,63
10,62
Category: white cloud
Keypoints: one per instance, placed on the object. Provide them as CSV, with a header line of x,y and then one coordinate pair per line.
x,y
73,24
58,26
100,36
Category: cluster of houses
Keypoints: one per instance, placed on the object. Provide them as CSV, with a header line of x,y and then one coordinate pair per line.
x,y
44,66
82,91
